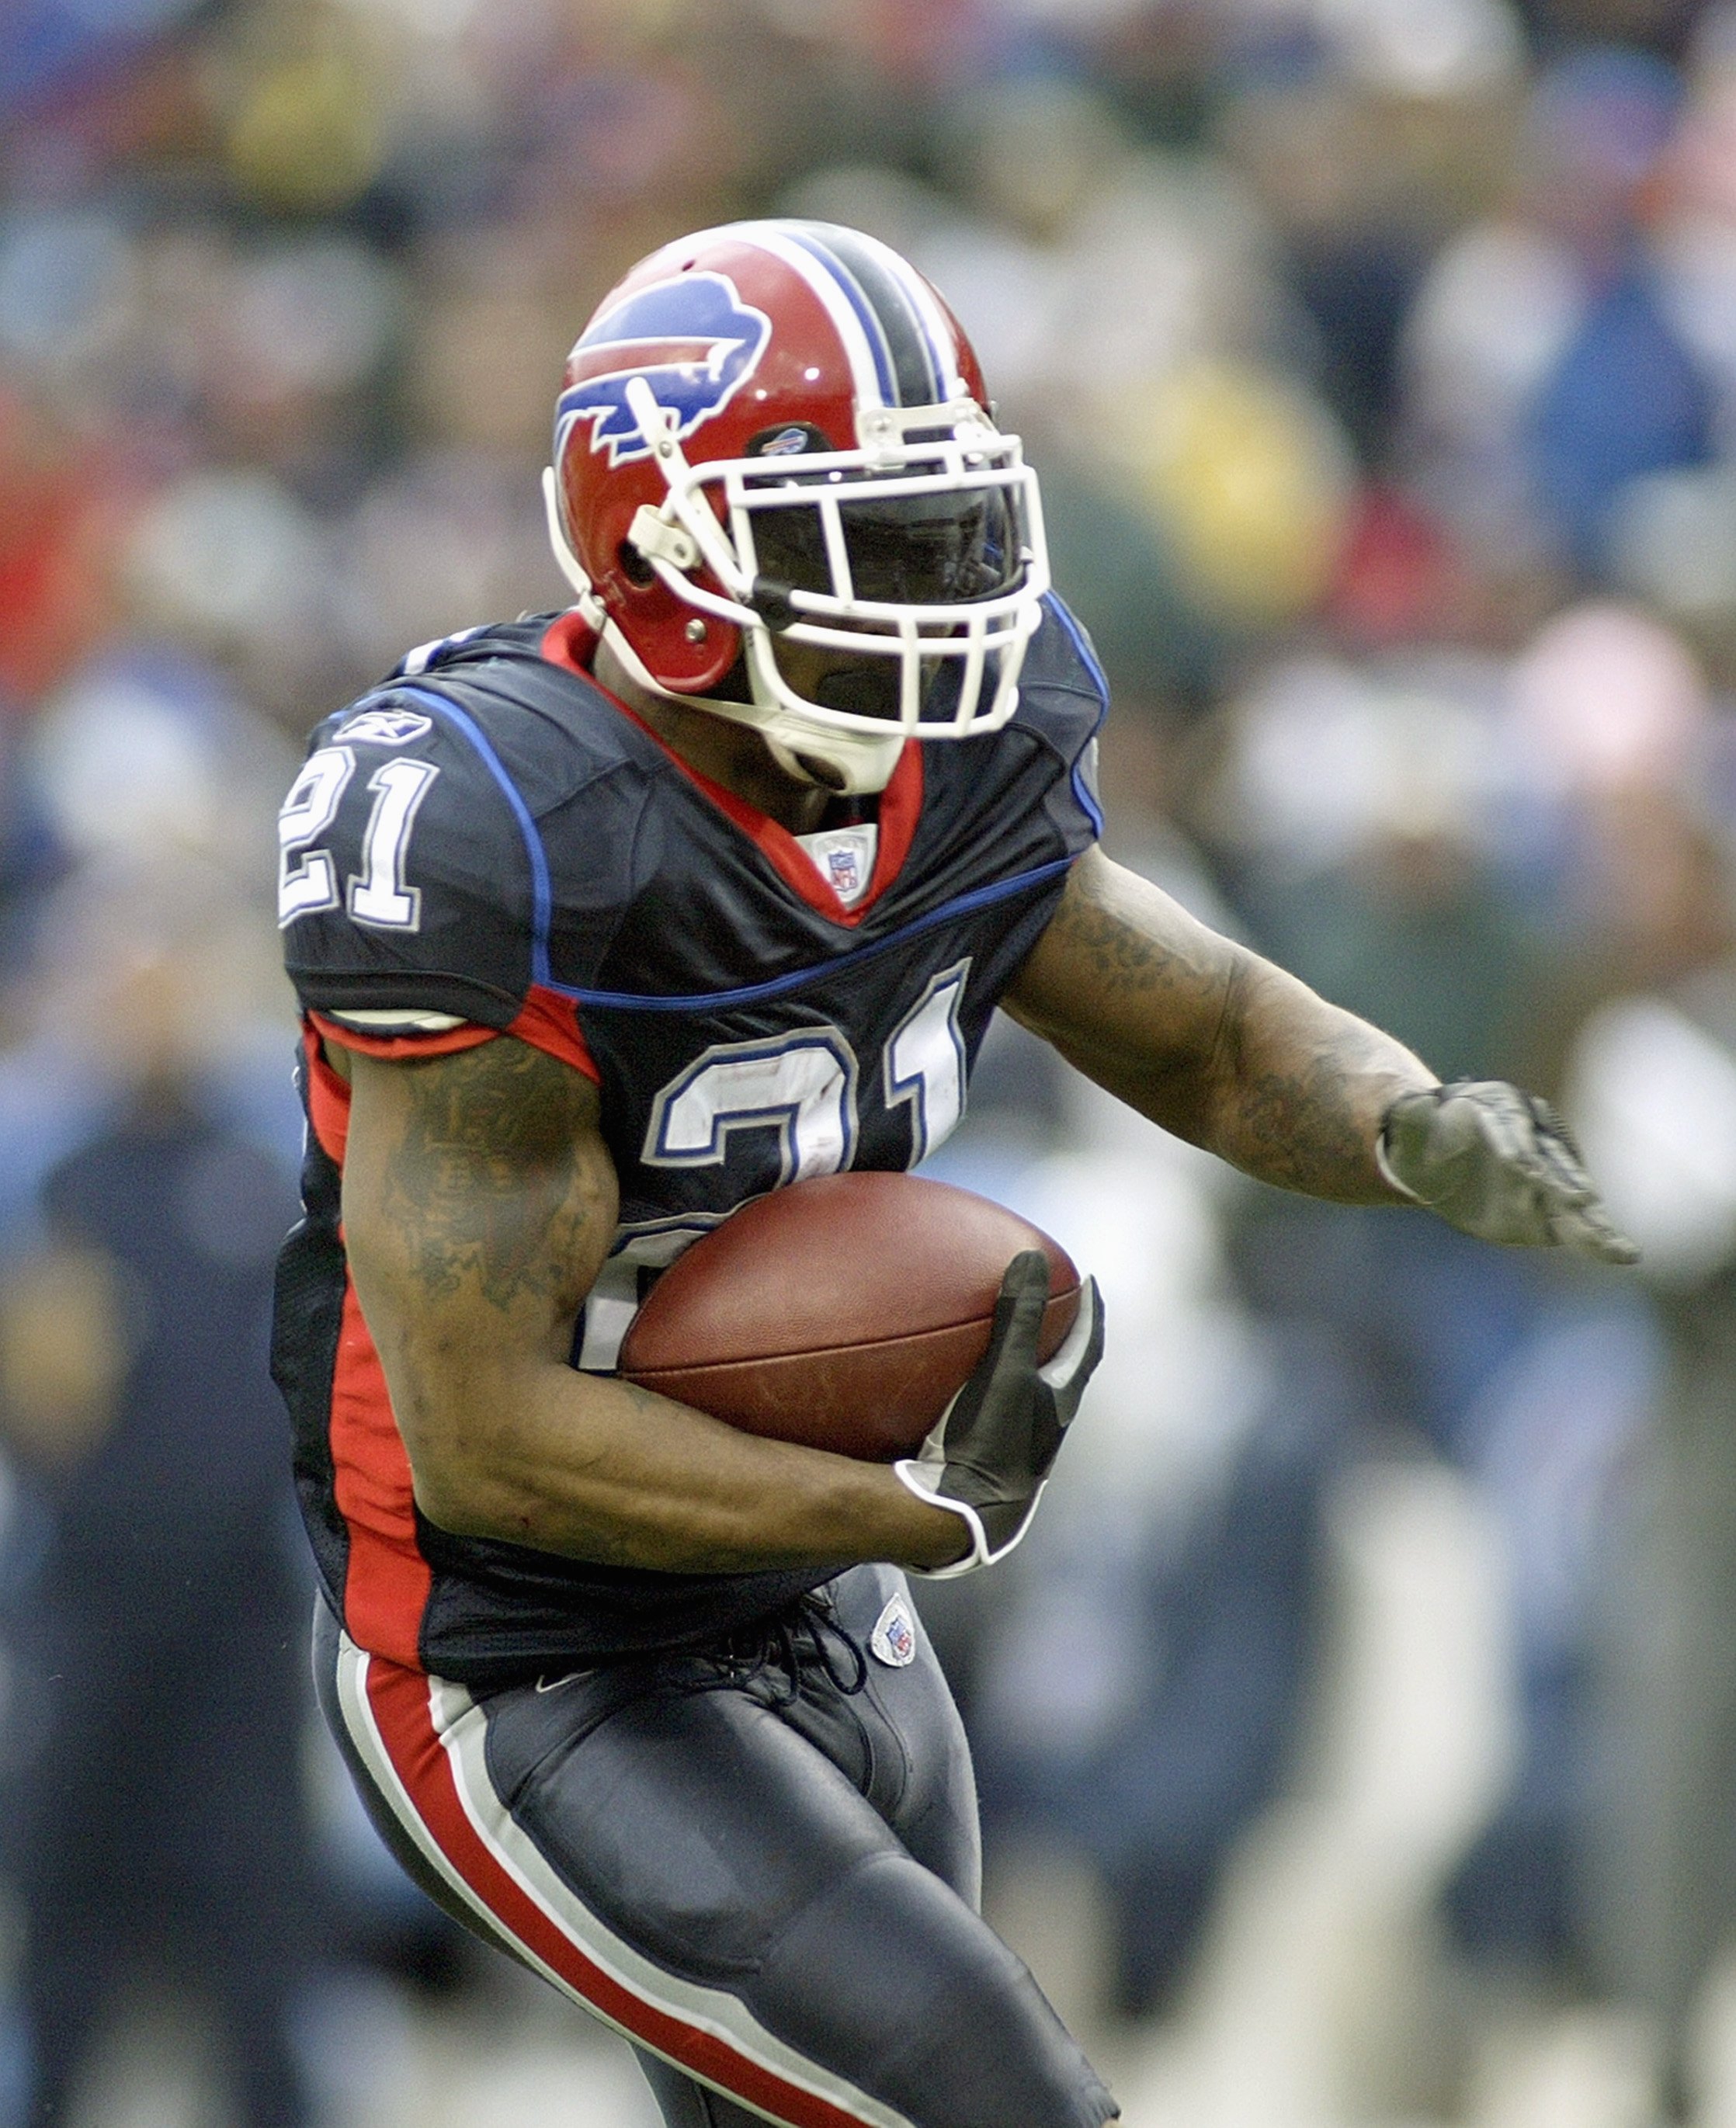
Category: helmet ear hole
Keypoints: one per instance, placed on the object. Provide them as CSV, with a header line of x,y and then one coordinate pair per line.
x,y
634,566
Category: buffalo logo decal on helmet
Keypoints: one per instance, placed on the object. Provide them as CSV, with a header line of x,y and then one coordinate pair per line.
x,y
694,341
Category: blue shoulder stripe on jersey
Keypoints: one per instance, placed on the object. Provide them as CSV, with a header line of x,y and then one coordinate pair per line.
x,y
980,897
1081,642
1088,805
543,898
1088,657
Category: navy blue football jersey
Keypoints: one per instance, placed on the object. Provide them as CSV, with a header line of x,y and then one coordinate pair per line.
x,y
491,844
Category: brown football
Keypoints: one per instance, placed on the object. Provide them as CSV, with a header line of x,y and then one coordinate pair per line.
x,y
842,1312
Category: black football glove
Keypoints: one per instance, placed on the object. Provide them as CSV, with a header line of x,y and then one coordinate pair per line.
x,y
1498,1163
989,1454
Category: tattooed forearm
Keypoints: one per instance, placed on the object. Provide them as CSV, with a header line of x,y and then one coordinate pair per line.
x,y
1302,1130
1302,1087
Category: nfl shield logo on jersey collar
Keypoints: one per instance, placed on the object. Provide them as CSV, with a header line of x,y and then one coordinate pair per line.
x,y
893,1641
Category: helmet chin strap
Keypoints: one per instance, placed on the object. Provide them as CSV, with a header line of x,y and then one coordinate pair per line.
x,y
849,764
861,773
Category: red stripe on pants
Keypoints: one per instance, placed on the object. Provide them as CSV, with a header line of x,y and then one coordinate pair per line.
x,y
400,1700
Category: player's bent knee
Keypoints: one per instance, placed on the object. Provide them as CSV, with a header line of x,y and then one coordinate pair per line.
x,y
891,1980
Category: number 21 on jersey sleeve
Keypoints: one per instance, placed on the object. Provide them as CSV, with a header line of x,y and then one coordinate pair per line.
x,y
379,895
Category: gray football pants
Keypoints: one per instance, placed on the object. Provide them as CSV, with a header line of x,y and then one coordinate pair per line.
x,y
760,1865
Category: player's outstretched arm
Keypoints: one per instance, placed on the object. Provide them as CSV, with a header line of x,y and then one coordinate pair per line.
x,y
479,1200
1210,1041
1225,1050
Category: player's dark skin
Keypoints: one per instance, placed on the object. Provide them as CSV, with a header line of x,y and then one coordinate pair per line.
x,y
480,1199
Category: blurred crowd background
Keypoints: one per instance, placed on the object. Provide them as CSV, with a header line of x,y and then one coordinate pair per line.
x,y
1357,1730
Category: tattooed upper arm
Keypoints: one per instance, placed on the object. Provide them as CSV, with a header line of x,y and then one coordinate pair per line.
x,y
479,1200
1210,1041
1130,988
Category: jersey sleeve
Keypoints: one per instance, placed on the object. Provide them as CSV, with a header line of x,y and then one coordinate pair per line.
x,y
400,1034
415,892
407,879
1063,698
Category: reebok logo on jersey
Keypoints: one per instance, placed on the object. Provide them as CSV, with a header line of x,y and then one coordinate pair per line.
x,y
694,341
893,1639
385,727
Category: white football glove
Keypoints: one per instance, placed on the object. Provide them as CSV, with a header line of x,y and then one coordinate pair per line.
x,y
989,1454
1498,1163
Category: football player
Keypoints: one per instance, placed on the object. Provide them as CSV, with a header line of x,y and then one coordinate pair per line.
x,y
605,921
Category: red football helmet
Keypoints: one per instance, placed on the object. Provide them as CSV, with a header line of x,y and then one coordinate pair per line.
x,y
778,430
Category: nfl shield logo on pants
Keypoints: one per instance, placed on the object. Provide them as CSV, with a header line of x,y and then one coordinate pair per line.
x,y
894,1637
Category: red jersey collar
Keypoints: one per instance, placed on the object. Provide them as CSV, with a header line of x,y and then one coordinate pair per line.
x,y
569,642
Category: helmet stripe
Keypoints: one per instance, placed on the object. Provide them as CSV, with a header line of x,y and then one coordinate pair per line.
x,y
888,369
892,290
885,373
869,366
940,328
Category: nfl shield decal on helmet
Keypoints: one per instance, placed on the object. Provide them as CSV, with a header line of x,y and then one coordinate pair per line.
x,y
694,341
894,1637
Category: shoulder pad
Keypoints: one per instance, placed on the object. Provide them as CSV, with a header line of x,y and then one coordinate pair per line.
x,y
1063,698
413,871
1063,658
487,639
